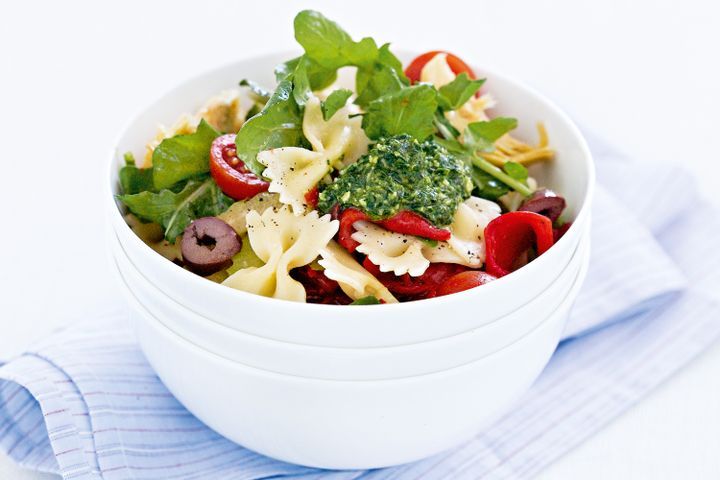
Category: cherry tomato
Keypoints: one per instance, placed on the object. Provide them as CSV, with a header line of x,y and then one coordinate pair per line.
x,y
464,281
230,173
454,62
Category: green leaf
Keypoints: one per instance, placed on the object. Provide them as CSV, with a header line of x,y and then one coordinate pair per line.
x,y
136,180
183,156
384,76
259,92
279,124
329,45
456,93
370,300
174,211
482,135
410,110
301,83
447,131
334,102
487,186
516,171
319,76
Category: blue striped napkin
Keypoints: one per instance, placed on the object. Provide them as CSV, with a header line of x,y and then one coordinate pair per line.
x,y
85,404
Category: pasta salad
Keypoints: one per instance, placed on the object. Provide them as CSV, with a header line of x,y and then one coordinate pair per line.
x,y
403,187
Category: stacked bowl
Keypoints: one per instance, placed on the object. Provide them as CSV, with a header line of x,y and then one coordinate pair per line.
x,y
361,386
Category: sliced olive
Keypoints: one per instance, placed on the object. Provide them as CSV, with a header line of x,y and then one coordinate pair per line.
x,y
545,202
208,245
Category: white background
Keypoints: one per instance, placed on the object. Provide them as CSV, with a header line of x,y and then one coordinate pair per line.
x,y
645,75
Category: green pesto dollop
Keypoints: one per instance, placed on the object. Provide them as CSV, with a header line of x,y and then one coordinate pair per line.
x,y
402,173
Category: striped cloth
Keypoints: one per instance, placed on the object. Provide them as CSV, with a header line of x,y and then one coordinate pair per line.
x,y
86,405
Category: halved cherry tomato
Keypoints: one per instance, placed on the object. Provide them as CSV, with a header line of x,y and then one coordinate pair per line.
x,y
464,281
509,237
406,222
230,173
454,62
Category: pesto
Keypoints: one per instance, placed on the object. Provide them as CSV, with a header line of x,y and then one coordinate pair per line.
x,y
402,173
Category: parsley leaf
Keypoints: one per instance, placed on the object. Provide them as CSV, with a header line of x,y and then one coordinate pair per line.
x,y
334,102
183,156
174,211
279,124
410,110
482,135
456,93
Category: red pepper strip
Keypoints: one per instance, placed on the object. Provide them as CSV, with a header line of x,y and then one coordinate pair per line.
x,y
406,287
410,223
311,198
319,288
347,218
510,236
406,222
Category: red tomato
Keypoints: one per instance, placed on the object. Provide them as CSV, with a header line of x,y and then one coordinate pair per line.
x,y
455,63
230,173
464,281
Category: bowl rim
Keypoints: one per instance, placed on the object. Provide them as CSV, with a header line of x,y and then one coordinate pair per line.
x,y
201,282
359,383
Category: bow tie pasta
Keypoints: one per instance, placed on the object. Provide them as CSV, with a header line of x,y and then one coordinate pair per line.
x,y
400,254
390,251
294,171
353,279
283,241
466,245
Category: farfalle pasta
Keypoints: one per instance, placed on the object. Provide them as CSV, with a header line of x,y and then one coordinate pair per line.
x,y
283,241
295,171
394,183
354,280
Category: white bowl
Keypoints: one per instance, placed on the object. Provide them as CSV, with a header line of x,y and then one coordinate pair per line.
x,y
348,424
572,174
335,363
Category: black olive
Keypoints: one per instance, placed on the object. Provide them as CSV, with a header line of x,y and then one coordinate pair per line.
x,y
545,202
208,245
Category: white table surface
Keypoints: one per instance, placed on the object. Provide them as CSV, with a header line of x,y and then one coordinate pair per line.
x,y
644,74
